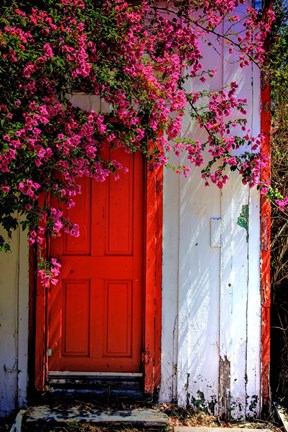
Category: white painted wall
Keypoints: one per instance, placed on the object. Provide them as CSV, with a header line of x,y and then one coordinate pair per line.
x,y
211,293
14,295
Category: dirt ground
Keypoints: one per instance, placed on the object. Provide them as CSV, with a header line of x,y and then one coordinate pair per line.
x,y
177,417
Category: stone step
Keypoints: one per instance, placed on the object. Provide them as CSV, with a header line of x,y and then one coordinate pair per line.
x,y
41,416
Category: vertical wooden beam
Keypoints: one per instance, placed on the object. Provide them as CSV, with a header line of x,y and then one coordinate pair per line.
x,y
158,275
23,307
153,279
265,250
40,337
38,304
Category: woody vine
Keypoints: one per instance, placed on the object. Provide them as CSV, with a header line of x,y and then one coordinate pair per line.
x,y
136,56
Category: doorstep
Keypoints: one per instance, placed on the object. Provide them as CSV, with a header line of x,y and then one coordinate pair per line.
x,y
46,415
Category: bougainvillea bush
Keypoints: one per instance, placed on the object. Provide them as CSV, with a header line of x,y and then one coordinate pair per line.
x,y
137,57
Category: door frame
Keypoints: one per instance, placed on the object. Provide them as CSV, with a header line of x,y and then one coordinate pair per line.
x,y
151,355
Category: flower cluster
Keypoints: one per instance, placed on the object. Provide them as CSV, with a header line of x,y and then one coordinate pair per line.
x,y
48,272
132,56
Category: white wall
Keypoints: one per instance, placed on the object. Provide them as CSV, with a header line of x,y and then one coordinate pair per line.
x,y
14,272
211,292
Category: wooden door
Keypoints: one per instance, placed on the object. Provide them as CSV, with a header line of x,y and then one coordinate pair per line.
x,y
95,312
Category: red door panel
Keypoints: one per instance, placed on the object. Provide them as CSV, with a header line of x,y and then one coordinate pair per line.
x,y
95,311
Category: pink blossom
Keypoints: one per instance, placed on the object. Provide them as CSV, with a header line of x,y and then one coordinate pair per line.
x,y
5,188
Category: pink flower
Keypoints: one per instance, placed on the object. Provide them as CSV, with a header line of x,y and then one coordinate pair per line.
x,y
5,188
48,51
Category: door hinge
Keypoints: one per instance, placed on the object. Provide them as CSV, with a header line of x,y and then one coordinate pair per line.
x,y
49,352
145,357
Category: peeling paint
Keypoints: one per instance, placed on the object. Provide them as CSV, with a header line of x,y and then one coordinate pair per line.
x,y
243,220
224,387
201,404
253,404
187,389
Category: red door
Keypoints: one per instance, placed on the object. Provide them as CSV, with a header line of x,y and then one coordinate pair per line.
x,y
95,311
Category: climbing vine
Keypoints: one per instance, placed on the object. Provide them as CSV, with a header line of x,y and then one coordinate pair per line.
x,y
136,57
